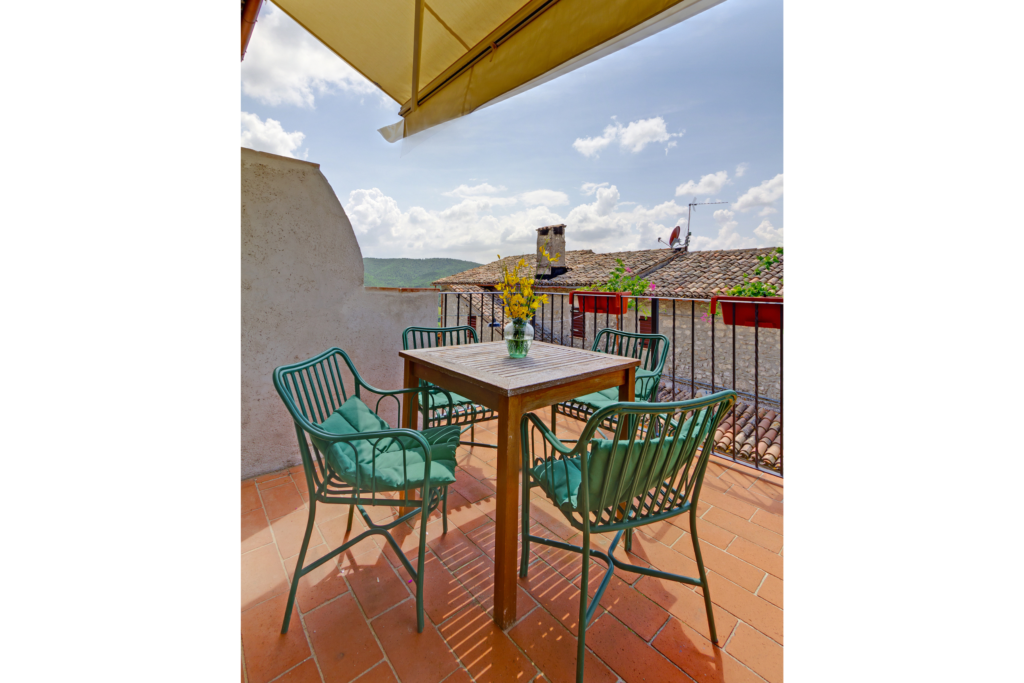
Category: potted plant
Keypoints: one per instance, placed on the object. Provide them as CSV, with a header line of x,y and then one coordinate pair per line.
x,y
622,282
738,306
519,302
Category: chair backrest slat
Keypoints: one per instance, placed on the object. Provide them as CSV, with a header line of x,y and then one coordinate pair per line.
x,y
653,466
650,349
432,337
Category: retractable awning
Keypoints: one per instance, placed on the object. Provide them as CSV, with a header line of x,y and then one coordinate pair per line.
x,y
460,55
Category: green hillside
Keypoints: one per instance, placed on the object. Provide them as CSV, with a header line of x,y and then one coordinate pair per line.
x,y
410,272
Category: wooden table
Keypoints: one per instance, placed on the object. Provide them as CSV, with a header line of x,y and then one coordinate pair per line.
x,y
485,374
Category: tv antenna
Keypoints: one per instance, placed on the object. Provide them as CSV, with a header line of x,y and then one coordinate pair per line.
x,y
690,208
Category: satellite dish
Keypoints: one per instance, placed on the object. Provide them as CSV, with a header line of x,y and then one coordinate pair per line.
x,y
674,237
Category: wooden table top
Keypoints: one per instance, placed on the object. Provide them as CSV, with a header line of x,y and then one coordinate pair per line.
x,y
488,365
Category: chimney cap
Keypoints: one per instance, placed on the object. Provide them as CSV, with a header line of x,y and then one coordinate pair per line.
x,y
544,230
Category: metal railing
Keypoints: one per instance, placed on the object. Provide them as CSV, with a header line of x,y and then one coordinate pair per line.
x,y
705,354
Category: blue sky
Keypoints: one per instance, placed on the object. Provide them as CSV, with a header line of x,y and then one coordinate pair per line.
x,y
615,149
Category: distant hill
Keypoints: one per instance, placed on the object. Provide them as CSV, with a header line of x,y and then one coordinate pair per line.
x,y
410,272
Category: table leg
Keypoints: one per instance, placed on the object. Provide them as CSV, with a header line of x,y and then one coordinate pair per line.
x,y
507,525
409,403
627,391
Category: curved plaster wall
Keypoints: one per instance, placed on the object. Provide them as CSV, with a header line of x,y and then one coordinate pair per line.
x,y
302,293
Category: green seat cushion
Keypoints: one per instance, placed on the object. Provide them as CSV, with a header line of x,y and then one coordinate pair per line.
x,y
606,397
438,399
607,467
380,463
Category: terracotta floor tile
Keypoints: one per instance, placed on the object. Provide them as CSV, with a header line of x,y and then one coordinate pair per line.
x,y
757,556
732,504
761,654
342,640
767,488
250,499
268,654
299,481
255,530
771,590
477,468
729,566
761,614
303,673
376,585
543,512
454,549
629,606
658,556
443,595
281,500
484,650
663,532
321,584
468,516
553,649
702,661
289,530
432,661
470,488
484,537
737,478
460,676
557,595
263,576
379,674
627,655
566,562
768,520
264,478
478,578
764,502
332,520
752,532
706,531
688,606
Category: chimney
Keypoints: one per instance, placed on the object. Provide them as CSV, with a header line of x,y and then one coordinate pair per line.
x,y
552,238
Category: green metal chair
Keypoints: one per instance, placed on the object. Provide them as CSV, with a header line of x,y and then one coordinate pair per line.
x,y
436,409
649,471
351,456
650,349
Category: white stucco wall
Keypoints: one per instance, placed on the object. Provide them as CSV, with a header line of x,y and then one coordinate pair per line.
x,y
302,293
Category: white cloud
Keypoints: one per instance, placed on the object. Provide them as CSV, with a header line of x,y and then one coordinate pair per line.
x,y
764,194
767,211
591,188
589,147
286,65
670,146
741,169
372,210
711,183
632,137
727,237
269,136
544,198
769,234
481,190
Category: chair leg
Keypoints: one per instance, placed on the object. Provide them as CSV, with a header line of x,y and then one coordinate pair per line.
x,y
472,432
582,627
524,561
420,560
351,513
629,539
444,511
298,566
703,574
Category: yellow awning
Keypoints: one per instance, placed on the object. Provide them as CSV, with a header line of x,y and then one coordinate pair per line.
x,y
459,55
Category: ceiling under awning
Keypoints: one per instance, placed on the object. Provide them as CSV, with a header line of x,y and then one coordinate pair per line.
x,y
460,55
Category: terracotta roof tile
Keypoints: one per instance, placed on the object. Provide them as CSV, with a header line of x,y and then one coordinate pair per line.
x,y
696,274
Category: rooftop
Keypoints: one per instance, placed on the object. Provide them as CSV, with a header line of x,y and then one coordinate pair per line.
x,y
695,274
355,617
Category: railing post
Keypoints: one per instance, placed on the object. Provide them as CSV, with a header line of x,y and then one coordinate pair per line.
x,y
654,316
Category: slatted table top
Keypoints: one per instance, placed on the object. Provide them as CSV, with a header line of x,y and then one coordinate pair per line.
x,y
488,365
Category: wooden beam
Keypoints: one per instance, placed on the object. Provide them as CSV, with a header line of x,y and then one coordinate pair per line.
x,y
417,47
249,14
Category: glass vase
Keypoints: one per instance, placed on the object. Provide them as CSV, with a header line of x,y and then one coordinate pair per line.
x,y
518,337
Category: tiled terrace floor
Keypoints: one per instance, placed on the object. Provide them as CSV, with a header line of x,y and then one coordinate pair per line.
x,y
355,617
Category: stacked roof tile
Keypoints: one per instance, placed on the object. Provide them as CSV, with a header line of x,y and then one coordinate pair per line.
x,y
703,274
584,268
